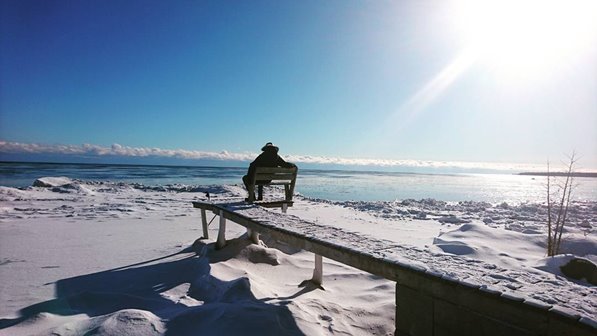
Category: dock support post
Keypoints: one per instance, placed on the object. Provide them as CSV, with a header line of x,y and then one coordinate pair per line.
x,y
253,236
204,223
318,271
284,207
221,242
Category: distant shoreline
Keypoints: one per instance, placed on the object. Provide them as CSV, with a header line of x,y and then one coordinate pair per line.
x,y
574,174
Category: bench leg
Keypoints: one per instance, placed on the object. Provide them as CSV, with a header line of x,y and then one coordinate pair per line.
x,y
251,191
260,193
221,242
204,224
284,207
318,271
287,192
253,236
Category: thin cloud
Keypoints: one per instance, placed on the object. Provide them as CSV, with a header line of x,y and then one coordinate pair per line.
x,y
119,150
412,163
126,151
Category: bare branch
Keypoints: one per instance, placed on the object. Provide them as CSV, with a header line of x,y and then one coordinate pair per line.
x,y
559,209
549,224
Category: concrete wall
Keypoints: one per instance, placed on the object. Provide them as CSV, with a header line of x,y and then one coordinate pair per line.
x,y
432,307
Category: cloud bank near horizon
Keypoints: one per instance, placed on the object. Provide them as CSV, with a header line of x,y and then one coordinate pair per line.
x,y
117,150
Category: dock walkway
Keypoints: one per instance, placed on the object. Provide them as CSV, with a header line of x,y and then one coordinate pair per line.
x,y
436,294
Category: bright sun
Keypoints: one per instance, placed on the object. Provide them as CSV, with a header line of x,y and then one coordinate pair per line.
x,y
527,36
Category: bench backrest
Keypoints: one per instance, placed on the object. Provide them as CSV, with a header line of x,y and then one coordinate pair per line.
x,y
277,176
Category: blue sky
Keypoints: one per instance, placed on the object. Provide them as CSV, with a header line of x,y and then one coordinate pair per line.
x,y
377,80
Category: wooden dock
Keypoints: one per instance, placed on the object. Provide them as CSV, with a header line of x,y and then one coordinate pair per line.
x,y
471,298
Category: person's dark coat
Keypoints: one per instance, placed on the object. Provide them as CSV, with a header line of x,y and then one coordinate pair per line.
x,y
269,158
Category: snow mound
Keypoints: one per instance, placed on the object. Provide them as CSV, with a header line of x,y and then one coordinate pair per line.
x,y
558,263
497,245
8,194
452,220
242,249
63,185
454,247
130,322
49,182
237,318
579,245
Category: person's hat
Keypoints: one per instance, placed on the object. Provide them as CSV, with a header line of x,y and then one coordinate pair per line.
x,y
269,145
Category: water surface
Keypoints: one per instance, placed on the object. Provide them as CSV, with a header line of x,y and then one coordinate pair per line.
x,y
327,184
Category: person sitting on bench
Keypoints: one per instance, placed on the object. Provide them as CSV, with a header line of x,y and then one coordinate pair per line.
x,y
269,158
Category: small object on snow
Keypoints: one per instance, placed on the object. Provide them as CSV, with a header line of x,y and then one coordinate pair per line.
x,y
579,268
504,205
207,195
585,223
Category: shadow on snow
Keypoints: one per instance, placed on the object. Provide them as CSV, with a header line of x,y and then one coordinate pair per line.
x,y
221,307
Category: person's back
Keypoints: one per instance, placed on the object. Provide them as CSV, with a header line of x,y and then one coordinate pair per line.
x,y
270,158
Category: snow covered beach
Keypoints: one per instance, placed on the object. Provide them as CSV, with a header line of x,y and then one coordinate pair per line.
x,y
80,256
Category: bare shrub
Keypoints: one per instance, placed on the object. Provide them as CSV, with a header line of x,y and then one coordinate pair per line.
x,y
559,192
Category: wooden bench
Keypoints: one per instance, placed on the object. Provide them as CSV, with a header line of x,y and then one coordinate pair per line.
x,y
275,176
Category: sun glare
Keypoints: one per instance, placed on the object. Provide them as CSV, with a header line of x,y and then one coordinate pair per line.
x,y
527,36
